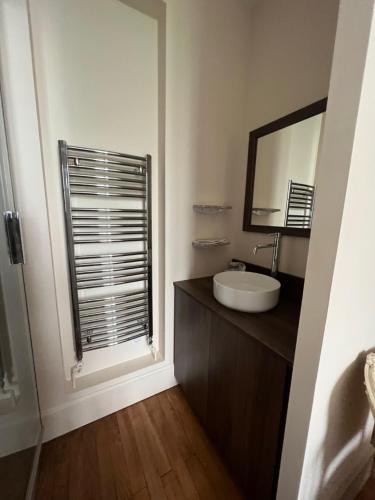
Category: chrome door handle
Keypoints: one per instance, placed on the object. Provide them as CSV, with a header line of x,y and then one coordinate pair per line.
x,y
13,231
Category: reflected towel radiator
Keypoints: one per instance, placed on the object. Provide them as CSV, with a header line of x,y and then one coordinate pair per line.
x,y
107,204
300,205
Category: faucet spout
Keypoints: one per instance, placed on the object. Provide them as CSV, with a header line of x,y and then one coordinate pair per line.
x,y
275,254
260,246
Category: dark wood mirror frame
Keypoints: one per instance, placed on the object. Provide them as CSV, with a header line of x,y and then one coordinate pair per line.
x,y
297,116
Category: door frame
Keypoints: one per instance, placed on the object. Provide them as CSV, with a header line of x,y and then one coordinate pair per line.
x,y
12,281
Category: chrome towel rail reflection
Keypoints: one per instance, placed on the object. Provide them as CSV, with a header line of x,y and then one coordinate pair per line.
x,y
120,337
102,185
110,327
118,317
109,255
91,192
108,224
300,205
110,313
106,175
107,240
110,269
108,318
110,276
101,232
111,303
110,210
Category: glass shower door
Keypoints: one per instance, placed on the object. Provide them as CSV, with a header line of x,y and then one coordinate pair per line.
x,y
20,425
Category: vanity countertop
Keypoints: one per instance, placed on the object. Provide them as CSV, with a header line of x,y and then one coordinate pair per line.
x,y
276,329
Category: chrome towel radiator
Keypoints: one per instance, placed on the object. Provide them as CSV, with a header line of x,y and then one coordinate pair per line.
x,y
300,205
107,204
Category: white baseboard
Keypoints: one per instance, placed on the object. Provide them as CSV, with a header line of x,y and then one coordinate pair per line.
x,y
18,434
74,414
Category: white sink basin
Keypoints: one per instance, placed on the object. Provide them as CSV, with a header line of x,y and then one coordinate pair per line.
x,y
249,292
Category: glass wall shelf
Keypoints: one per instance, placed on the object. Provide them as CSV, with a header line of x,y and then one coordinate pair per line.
x,y
210,242
210,209
264,211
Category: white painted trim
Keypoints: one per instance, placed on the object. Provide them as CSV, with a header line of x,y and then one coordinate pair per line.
x,y
18,432
70,416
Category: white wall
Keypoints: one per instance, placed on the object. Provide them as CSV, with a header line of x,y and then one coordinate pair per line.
x,y
328,427
62,407
96,73
289,64
207,83
208,79
206,136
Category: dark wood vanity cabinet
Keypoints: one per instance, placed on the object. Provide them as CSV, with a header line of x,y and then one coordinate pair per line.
x,y
237,387
191,349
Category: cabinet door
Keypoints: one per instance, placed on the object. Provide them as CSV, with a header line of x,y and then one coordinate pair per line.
x,y
245,408
191,344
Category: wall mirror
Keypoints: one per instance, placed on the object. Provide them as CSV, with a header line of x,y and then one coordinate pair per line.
x,y
280,185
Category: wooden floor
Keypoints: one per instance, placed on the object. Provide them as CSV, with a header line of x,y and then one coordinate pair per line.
x,y
15,472
154,449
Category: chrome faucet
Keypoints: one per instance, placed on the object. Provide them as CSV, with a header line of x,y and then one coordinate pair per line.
x,y
276,251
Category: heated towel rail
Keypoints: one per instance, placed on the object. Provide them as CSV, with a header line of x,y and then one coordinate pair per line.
x,y
300,205
107,204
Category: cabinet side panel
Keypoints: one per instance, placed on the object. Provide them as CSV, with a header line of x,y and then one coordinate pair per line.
x,y
191,351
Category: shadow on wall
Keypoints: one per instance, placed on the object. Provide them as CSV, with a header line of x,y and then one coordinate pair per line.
x,y
346,430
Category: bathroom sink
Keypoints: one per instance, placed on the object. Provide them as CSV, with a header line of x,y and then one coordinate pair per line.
x,y
248,292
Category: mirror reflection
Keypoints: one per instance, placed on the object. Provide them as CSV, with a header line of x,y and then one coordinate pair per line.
x,y
282,163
